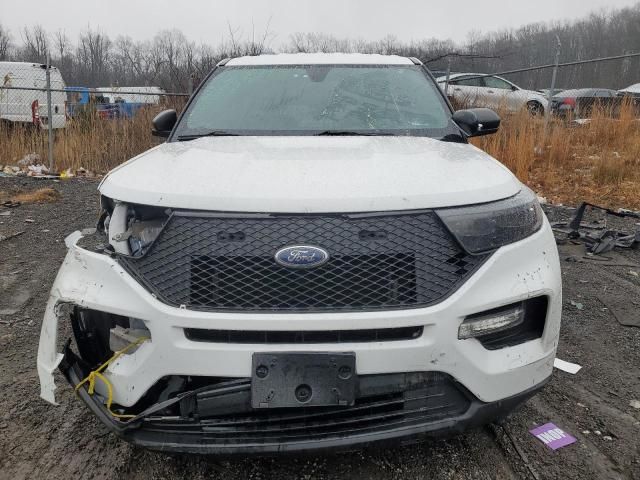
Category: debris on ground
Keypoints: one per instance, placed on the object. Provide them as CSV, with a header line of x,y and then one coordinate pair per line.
x,y
578,305
565,366
552,436
28,160
624,305
596,236
67,174
31,166
575,253
11,235
635,404
83,172
37,170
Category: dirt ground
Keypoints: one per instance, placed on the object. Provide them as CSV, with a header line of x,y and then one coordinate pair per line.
x,y
38,440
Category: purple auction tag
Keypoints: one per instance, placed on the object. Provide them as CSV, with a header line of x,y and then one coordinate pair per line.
x,y
552,436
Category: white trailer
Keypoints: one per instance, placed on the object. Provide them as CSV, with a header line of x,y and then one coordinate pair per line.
x,y
30,106
146,95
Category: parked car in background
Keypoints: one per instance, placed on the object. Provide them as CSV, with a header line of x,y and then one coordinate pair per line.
x,y
546,91
632,91
473,89
579,103
30,106
317,258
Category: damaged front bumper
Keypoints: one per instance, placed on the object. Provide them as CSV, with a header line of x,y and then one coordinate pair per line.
x,y
392,407
396,378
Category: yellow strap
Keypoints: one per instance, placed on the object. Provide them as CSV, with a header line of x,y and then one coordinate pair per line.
x,y
97,373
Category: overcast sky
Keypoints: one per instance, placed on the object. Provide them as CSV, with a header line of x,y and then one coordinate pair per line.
x,y
207,20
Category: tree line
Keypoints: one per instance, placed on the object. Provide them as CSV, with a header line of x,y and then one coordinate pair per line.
x,y
173,62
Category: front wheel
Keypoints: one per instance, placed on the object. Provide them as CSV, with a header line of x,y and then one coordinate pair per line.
x,y
535,109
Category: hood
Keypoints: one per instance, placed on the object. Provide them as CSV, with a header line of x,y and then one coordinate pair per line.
x,y
306,174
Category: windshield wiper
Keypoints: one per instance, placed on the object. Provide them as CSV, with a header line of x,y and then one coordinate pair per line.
x,y
212,133
453,137
346,133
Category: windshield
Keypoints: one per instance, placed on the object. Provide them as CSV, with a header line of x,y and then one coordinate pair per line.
x,y
311,100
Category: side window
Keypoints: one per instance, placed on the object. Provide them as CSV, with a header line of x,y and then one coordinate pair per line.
x,y
495,82
603,94
469,81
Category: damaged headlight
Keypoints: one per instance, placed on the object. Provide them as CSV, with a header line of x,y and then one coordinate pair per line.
x,y
132,229
488,226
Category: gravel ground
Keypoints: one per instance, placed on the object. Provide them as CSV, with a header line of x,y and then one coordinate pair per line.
x,y
38,440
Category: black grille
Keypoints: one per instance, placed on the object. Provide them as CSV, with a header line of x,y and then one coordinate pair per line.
x,y
376,261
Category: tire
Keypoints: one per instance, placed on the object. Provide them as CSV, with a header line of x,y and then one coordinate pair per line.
x,y
535,108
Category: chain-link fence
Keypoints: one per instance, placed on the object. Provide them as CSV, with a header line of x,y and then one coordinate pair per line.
x,y
47,126
570,130
45,121
571,90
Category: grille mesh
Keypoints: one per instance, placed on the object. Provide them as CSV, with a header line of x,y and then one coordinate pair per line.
x,y
225,263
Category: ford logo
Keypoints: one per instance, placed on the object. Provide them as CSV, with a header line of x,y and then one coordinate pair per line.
x,y
302,256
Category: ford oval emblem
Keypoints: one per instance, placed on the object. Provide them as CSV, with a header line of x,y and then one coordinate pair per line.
x,y
302,256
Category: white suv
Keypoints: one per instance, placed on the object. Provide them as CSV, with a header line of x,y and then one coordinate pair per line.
x,y
315,259
481,90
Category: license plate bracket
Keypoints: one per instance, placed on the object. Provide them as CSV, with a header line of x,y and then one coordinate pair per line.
x,y
294,379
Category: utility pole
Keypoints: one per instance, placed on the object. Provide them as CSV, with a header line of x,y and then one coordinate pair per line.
x,y
446,84
551,92
49,112
190,84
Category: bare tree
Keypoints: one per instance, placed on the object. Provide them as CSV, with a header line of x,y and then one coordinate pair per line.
x,y
93,51
5,43
169,59
35,44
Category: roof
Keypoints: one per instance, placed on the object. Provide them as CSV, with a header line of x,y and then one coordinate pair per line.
x,y
579,92
321,59
456,75
25,65
632,88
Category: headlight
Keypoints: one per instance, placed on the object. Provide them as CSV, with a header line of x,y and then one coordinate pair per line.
x,y
131,229
484,227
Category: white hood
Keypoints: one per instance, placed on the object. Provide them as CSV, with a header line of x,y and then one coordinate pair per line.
x,y
303,174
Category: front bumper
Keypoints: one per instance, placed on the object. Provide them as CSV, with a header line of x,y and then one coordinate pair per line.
x,y
335,430
516,272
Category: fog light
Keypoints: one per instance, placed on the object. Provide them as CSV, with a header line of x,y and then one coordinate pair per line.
x,y
491,322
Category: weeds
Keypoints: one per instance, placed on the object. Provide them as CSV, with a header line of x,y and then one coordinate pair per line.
x,y
597,161
41,195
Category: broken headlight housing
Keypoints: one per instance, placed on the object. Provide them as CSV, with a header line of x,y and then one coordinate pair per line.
x,y
131,229
488,226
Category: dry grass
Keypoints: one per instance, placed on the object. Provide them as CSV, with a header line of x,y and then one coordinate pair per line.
x,y
88,141
41,195
598,162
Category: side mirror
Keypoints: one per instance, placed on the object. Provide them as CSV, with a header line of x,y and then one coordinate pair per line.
x,y
514,88
163,123
476,122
